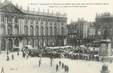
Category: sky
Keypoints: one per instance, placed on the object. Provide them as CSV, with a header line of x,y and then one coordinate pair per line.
x,y
73,13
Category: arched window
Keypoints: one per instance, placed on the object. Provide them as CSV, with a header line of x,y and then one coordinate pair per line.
x,y
62,31
16,19
3,31
10,44
42,43
55,30
36,43
31,30
25,41
16,30
42,33
9,19
16,42
3,18
36,21
3,44
46,31
9,29
50,30
32,42
37,30
46,42
26,30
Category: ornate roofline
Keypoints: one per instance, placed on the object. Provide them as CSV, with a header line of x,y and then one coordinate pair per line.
x,y
28,12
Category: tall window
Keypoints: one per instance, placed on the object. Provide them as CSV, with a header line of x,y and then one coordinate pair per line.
x,y
50,23
36,21
3,31
42,22
9,19
16,20
26,21
26,30
50,30
62,31
25,41
36,43
32,42
31,30
3,18
37,30
55,30
16,42
31,20
16,30
10,44
3,44
46,31
42,30
9,29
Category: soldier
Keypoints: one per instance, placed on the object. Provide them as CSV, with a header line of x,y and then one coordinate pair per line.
x,y
12,57
62,65
59,63
39,62
51,62
56,67
51,58
67,69
23,55
7,58
7,52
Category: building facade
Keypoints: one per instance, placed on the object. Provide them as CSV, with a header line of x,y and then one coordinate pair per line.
x,y
77,32
24,27
91,30
104,26
72,34
82,28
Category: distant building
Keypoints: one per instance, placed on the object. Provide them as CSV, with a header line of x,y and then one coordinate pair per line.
x,y
78,31
21,27
82,28
72,34
91,30
104,26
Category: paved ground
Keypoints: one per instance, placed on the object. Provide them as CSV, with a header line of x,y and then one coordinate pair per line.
x,y
31,65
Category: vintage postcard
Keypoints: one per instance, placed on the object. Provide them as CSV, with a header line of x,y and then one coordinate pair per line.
x,y
56,36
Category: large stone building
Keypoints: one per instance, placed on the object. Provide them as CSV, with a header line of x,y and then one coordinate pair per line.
x,y
104,26
82,28
72,34
91,33
24,27
78,31
91,30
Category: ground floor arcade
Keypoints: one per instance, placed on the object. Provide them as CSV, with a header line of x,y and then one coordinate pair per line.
x,y
36,42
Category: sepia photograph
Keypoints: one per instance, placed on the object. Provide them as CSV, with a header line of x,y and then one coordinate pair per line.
x,y
56,36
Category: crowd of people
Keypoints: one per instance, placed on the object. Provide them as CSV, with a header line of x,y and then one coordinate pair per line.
x,y
82,56
62,66
9,57
76,53
12,57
